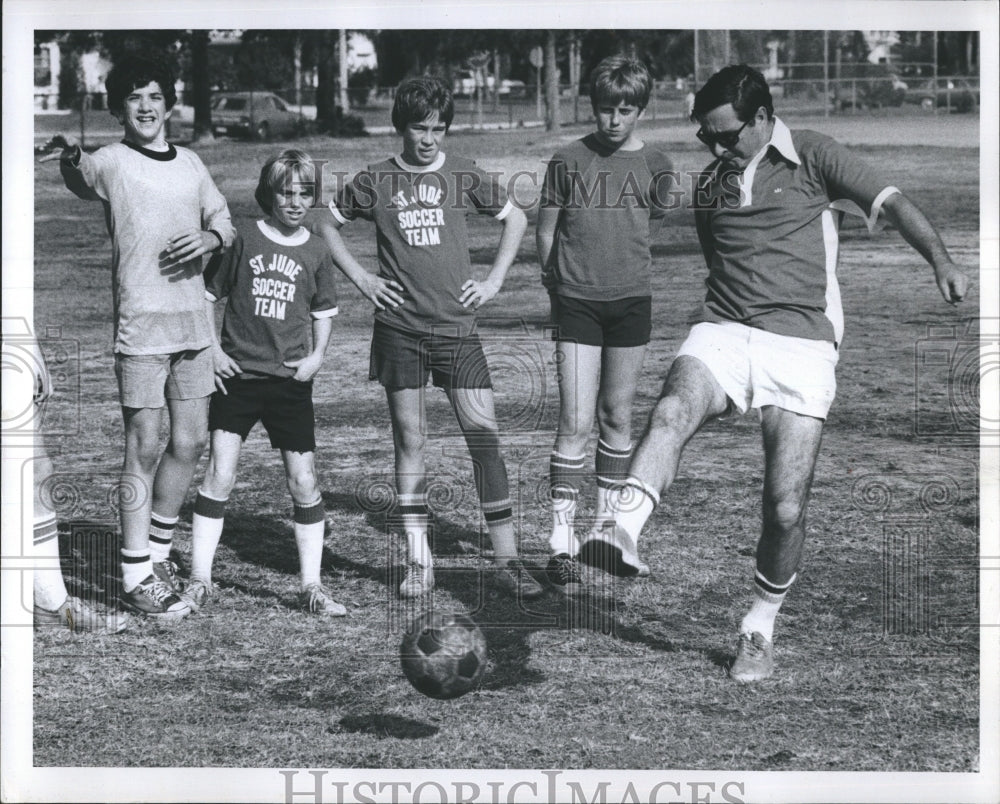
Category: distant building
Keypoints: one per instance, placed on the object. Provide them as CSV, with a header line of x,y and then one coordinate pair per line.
x,y
47,76
880,44
93,68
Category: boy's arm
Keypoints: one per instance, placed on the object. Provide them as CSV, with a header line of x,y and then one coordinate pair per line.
x,y
377,290
306,367
218,283
921,234
76,167
545,237
478,293
216,232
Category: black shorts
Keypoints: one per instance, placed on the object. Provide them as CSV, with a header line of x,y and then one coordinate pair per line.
x,y
622,322
401,359
283,405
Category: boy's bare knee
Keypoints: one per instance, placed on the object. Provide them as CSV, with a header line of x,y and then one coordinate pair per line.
x,y
303,487
613,420
187,447
142,454
218,483
411,443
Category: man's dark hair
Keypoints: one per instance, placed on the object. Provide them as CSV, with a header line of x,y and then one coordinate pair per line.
x,y
133,72
739,84
419,98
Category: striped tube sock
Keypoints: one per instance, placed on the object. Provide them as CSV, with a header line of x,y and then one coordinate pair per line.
x,y
499,517
206,531
136,567
414,521
161,536
767,600
611,466
565,477
309,522
49,588
633,504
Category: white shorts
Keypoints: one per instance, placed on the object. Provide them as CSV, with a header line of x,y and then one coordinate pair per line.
x,y
757,368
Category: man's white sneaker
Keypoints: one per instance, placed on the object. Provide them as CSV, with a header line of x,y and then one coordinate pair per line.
x,y
610,548
754,659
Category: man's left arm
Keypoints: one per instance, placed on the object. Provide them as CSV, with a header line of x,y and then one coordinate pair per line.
x,y
851,179
920,233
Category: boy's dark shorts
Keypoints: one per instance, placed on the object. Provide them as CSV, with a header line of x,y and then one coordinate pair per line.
x,y
283,405
622,322
401,359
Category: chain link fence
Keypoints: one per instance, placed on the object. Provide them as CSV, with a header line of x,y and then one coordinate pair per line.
x,y
286,113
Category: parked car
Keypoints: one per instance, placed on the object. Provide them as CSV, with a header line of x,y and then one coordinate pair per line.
x,y
464,85
869,90
513,88
257,115
954,93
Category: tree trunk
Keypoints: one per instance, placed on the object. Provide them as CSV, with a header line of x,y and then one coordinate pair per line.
x,y
201,87
552,121
495,59
345,101
297,66
325,80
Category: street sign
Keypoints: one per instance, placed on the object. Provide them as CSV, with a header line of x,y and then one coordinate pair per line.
x,y
536,57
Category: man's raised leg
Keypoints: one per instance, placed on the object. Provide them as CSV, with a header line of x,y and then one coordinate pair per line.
x,y
791,445
690,397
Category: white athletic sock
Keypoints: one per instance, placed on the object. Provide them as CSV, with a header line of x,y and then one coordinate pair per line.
x,y
611,467
768,598
161,536
413,513
565,478
206,531
49,588
633,505
136,567
310,521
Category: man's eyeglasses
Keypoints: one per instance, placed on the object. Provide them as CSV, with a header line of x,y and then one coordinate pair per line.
x,y
727,139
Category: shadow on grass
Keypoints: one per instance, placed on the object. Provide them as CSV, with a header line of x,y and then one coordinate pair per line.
x,y
463,572
382,726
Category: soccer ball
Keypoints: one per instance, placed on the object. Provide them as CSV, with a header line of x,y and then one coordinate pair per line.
x,y
443,654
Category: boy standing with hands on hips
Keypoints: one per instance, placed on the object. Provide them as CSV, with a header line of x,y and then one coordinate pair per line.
x,y
426,300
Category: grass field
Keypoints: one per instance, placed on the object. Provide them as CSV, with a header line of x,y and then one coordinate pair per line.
x,y
877,644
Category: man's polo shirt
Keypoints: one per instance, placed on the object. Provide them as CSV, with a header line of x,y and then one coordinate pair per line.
x,y
770,233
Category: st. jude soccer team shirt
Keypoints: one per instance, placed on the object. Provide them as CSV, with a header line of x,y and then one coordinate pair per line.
x,y
276,285
423,243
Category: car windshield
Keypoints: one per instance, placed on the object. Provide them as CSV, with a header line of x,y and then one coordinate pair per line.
x,y
232,104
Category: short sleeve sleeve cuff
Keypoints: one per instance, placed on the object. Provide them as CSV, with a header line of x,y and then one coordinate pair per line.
x,y
872,219
337,214
503,213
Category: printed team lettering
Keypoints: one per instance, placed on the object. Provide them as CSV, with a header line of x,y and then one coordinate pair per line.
x,y
271,294
421,215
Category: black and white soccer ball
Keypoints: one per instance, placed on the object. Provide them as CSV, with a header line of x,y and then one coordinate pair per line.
x,y
443,654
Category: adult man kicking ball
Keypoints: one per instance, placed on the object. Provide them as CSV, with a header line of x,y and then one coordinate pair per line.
x,y
769,328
